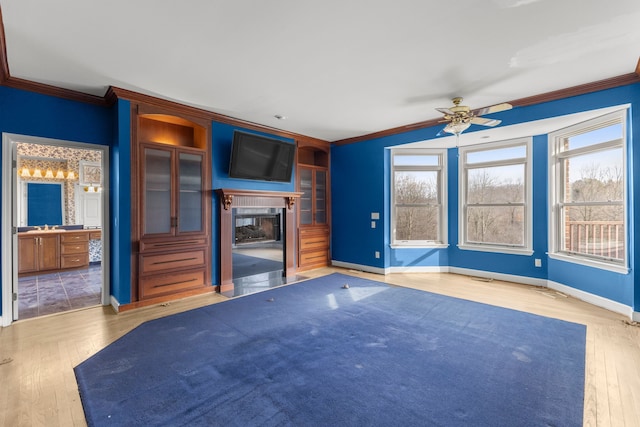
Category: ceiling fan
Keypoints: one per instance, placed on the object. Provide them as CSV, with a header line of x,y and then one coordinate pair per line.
x,y
460,117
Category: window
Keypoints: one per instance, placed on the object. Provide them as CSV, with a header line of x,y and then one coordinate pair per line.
x,y
495,197
418,197
588,215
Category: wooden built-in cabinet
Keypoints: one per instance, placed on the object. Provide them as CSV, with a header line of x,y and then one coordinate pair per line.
x,y
74,249
172,207
313,209
52,250
38,252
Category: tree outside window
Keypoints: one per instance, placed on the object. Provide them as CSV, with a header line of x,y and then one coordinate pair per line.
x,y
494,196
417,197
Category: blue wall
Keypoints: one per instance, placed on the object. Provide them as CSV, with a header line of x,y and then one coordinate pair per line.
x,y
33,114
120,204
361,185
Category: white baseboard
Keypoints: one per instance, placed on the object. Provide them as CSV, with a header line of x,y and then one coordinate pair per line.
x,y
596,300
115,304
417,269
366,268
499,276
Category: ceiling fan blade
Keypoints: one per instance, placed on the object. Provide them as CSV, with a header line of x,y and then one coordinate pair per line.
x,y
493,109
485,122
446,111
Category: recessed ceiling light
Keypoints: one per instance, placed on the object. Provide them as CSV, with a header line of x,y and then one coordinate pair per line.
x,y
280,117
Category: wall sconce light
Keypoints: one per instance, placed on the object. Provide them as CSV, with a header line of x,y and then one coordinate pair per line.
x,y
92,188
37,173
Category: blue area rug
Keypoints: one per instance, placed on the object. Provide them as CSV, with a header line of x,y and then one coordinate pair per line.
x,y
314,353
245,265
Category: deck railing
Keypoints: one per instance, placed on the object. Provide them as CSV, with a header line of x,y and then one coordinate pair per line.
x,y
599,238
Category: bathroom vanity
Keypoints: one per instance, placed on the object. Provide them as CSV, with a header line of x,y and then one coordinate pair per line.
x,y
54,250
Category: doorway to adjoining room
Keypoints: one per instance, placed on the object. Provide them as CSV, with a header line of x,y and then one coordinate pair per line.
x,y
58,205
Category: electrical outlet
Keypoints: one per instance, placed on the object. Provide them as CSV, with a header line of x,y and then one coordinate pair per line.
x,y
377,254
538,262
375,215
373,224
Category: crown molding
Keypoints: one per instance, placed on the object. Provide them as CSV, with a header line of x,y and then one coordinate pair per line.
x,y
4,63
623,80
114,93
56,91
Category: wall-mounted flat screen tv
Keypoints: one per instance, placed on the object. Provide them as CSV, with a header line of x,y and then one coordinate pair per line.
x,y
261,158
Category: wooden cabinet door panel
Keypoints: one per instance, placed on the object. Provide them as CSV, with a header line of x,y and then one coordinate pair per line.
x,y
163,284
74,260
74,248
49,252
70,237
27,254
159,262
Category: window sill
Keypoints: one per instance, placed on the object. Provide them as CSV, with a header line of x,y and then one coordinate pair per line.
x,y
590,263
420,246
497,249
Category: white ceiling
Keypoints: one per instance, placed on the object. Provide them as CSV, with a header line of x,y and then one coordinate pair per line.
x,y
335,68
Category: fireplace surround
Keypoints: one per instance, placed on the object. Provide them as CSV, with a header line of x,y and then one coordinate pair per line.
x,y
230,199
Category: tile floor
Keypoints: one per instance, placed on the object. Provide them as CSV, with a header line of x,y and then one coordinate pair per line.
x,y
56,292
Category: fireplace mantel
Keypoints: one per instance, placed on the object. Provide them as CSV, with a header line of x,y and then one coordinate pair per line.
x,y
229,199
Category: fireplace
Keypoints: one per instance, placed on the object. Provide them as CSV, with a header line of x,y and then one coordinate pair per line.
x,y
256,225
265,209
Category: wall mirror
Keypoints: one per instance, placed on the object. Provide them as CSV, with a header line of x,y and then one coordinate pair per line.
x,y
43,204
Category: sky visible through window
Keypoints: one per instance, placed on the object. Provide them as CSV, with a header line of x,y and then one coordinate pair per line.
x,y
611,159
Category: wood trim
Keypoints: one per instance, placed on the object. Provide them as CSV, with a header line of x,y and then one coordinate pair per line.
x,y
115,92
147,102
31,86
388,132
623,80
4,62
258,193
50,90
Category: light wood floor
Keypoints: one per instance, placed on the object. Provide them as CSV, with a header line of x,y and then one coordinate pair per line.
x,y
38,386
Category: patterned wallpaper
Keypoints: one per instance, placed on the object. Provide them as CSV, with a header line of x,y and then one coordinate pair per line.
x,y
56,158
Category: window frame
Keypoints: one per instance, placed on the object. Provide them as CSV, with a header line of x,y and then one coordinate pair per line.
x,y
463,243
441,170
557,188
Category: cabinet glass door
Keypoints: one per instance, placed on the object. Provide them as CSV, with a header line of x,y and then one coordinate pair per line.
x,y
321,196
190,194
157,191
306,200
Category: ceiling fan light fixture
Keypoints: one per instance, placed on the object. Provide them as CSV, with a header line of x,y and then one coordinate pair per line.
x,y
457,128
